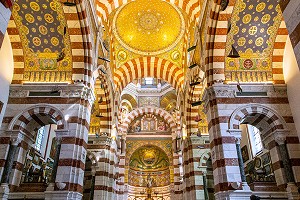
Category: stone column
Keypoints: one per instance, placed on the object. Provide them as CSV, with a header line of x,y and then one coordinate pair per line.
x,y
292,189
14,142
123,144
93,183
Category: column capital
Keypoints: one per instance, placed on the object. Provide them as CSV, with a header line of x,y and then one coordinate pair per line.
x,y
280,136
16,136
237,134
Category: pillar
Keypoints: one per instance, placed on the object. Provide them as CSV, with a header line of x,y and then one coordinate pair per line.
x,y
14,141
93,183
292,189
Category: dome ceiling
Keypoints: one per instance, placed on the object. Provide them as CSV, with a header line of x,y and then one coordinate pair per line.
x,y
145,28
148,27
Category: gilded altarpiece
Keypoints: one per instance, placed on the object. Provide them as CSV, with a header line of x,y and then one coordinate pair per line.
x,y
254,26
46,44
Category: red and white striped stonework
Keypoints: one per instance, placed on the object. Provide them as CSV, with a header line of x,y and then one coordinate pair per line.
x,y
216,41
277,57
24,114
106,172
269,122
292,19
194,167
148,67
104,91
225,113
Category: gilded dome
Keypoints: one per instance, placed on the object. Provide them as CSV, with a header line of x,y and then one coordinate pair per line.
x,y
148,27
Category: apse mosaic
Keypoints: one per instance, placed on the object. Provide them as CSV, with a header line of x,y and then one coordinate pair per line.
x,y
148,123
148,28
165,146
45,40
254,26
149,163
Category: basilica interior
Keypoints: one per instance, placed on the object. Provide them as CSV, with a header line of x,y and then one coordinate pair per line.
x,y
149,99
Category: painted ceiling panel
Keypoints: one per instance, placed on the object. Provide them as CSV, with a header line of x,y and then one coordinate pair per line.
x,y
254,25
45,40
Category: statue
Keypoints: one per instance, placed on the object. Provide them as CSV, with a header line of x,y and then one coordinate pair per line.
x,y
149,181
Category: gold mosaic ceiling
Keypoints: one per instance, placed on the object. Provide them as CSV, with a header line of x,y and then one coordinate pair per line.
x,y
41,27
148,27
253,32
149,158
254,25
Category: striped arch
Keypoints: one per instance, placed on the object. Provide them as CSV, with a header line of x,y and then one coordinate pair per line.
x,y
80,41
261,114
216,41
149,67
21,121
105,91
148,110
193,94
190,7
278,52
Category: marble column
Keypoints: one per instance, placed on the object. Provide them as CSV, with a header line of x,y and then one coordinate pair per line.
x,y
93,184
14,142
56,158
10,160
123,144
292,189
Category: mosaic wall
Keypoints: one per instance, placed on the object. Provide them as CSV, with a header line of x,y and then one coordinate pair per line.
x,y
149,165
254,25
148,101
148,123
164,145
45,40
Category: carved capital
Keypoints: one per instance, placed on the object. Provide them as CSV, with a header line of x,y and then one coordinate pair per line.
x,y
16,136
280,136
237,134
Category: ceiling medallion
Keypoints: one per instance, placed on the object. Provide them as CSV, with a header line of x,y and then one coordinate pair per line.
x,y
148,27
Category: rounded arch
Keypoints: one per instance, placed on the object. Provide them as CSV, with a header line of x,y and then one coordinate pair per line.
x,y
274,119
20,122
131,99
149,67
149,110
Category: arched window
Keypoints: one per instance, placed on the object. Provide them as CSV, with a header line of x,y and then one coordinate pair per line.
x,y
255,139
39,139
